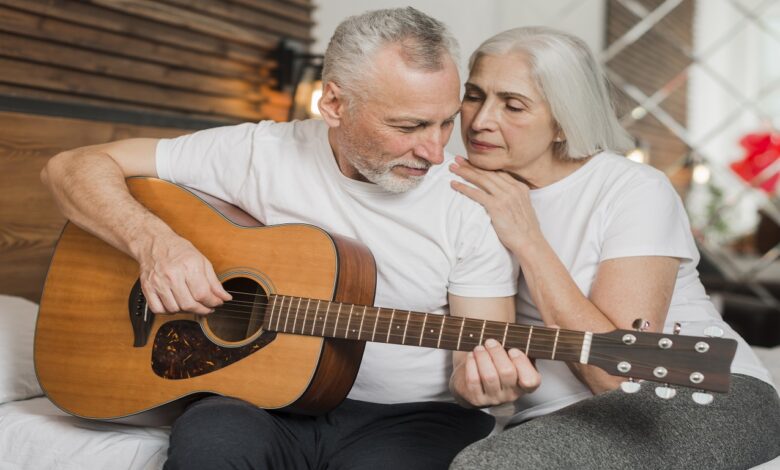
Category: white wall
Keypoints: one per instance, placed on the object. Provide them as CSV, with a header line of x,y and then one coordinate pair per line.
x,y
474,21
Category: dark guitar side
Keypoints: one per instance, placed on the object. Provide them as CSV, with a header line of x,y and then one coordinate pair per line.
x,y
84,353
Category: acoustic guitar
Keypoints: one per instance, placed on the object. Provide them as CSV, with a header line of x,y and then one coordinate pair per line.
x,y
292,337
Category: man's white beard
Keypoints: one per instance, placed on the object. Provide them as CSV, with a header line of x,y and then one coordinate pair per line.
x,y
384,177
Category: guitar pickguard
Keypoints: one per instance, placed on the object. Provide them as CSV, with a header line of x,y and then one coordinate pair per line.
x,y
181,350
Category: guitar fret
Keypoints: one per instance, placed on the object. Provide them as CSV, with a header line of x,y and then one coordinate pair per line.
x,y
305,316
376,322
406,326
555,345
325,322
506,330
528,342
441,330
271,318
287,314
279,317
390,326
346,333
422,330
482,333
336,323
362,318
460,335
316,312
297,311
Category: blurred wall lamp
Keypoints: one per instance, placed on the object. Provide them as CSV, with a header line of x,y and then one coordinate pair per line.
x,y
640,152
300,74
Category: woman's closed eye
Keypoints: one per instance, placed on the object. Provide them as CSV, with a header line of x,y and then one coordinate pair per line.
x,y
515,106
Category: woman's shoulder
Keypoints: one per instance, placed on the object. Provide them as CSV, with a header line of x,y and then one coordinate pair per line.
x,y
620,173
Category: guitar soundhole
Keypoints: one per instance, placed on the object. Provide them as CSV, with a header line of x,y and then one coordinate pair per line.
x,y
241,317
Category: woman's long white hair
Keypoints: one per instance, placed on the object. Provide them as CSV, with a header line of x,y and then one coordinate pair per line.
x,y
573,84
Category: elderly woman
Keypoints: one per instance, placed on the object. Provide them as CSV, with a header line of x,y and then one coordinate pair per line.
x,y
601,241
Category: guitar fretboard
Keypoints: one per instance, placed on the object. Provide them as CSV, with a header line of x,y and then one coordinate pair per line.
x,y
313,317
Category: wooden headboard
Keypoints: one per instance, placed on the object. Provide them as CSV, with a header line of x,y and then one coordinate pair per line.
x,y
30,222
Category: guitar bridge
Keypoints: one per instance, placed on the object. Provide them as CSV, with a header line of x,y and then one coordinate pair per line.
x,y
141,318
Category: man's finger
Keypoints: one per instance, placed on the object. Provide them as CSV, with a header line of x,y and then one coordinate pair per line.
x,y
168,301
185,300
528,378
507,372
216,286
487,372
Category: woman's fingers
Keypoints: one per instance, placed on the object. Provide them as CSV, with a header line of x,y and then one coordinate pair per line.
x,y
471,192
485,180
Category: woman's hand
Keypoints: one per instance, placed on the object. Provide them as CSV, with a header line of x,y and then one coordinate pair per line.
x,y
506,200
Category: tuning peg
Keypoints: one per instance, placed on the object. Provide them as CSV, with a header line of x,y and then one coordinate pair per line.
x,y
666,392
713,332
702,398
630,386
677,328
640,324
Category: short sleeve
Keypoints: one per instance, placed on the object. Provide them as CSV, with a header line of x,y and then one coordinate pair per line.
x,y
483,267
647,219
215,161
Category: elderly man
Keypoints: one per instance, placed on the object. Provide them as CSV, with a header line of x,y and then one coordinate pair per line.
x,y
369,170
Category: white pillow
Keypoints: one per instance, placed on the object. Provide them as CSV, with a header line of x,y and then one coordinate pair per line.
x,y
17,329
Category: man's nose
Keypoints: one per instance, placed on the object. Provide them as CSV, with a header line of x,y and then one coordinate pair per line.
x,y
431,147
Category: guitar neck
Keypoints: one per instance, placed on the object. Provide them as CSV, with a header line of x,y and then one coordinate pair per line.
x,y
313,317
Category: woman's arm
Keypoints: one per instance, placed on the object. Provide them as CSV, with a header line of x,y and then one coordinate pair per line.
x,y
624,288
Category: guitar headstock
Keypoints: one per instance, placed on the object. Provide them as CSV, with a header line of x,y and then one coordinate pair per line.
x,y
692,361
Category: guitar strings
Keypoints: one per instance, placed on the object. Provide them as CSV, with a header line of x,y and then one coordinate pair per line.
x,y
550,332
534,349
564,336
495,331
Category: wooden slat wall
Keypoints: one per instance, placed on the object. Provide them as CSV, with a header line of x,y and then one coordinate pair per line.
x,y
182,61
207,59
29,220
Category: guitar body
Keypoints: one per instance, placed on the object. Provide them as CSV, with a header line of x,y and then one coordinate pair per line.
x,y
100,354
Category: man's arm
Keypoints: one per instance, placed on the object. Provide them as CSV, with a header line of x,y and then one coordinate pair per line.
x,y
89,186
489,375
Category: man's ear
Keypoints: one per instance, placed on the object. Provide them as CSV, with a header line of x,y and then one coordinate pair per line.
x,y
332,104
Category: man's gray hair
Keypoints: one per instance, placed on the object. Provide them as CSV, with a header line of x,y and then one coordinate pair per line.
x,y
424,41
573,84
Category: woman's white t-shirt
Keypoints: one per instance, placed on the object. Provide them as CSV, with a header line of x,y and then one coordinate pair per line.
x,y
611,208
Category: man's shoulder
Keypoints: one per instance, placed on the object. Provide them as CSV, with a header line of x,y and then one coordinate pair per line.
x,y
309,130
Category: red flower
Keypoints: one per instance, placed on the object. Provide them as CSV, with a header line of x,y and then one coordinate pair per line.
x,y
761,151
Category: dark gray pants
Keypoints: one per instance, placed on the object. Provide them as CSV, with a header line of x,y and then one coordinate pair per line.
x,y
616,430
224,433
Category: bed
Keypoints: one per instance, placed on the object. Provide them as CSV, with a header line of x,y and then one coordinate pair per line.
x,y
34,433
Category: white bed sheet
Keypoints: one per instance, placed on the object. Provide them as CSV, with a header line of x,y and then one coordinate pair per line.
x,y
35,434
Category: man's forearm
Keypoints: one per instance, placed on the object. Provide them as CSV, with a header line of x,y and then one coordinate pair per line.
x,y
90,189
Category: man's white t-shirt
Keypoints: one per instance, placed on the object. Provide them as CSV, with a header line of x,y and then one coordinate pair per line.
x,y
426,242
611,208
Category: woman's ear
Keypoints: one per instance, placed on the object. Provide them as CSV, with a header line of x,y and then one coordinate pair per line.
x,y
559,135
332,104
